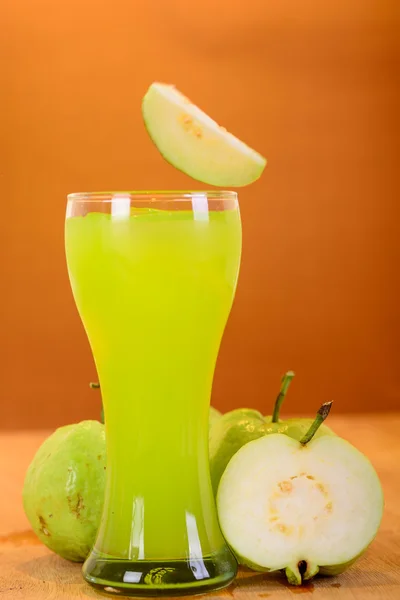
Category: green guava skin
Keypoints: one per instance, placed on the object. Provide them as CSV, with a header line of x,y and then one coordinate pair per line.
x,y
228,435
214,416
294,577
64,489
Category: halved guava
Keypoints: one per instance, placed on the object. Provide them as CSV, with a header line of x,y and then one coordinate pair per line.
x,y
302,508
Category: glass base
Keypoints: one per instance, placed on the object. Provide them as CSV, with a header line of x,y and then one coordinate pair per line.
x,y
160,578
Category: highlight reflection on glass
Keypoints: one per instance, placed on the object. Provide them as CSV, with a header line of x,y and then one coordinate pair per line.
x,y
154,277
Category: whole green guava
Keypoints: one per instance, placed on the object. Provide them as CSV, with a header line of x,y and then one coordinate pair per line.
x,y
64,489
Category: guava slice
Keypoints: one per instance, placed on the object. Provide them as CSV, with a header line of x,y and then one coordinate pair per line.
x,y
195,144
302,508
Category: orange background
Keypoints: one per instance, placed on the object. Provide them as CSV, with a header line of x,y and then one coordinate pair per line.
x,y
312,85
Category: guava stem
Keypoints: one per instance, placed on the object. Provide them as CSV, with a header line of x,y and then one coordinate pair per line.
x,y
96,386
293,575
316,424
286,379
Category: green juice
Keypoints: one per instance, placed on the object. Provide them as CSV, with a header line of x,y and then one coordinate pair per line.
x,y
154,289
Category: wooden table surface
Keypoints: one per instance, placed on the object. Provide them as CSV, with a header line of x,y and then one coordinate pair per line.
x,y
28,571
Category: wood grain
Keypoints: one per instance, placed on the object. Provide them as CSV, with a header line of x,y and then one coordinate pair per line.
x,y
28,571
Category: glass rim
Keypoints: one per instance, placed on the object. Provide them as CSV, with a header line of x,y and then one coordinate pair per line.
x,y
151,195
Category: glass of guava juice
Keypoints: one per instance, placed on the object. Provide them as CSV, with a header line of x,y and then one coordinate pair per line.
x,y
153,275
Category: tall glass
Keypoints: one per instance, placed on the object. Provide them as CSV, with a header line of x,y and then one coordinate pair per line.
x,y
154,277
